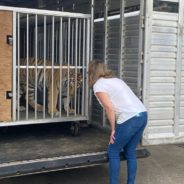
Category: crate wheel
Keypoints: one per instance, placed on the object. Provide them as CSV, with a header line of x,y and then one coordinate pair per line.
x,y
75,128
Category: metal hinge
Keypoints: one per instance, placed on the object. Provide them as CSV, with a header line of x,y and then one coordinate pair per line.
x,y
142,21
140,93
9,39
142,57
9,95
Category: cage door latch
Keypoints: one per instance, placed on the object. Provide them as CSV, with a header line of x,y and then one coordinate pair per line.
x,y
9,95
9,39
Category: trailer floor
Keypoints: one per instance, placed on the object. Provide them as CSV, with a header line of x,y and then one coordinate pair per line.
x,y
164,166
46,141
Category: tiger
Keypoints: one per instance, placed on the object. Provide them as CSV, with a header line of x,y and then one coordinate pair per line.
x,y
53,87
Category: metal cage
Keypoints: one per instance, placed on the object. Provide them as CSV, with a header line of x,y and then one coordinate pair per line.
x,y
51,51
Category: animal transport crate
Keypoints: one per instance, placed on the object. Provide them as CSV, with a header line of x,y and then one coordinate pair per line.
x,y
43,66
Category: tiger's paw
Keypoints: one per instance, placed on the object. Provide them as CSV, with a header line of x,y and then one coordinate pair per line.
x,y
71,111
39,108
22,108
56,113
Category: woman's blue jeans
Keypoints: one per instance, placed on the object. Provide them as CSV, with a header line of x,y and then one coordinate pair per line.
x,y
127,137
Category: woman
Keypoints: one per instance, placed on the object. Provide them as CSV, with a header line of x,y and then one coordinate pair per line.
x,y
126,114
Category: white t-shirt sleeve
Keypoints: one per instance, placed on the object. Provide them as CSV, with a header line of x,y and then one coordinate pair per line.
x,y
99,87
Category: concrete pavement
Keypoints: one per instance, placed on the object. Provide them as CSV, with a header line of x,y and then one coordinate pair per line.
x,y
164,166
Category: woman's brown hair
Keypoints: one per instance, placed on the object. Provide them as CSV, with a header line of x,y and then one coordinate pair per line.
x,y
96,70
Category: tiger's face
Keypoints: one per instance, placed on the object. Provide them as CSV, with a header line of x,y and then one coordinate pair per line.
x,y
77,77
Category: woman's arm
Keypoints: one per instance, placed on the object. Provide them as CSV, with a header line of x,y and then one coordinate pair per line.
x,y
109,109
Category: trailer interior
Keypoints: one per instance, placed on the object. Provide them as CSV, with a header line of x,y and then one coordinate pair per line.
x,y
34,142
29,150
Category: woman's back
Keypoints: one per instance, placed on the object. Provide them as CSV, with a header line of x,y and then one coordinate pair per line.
x,y
125,102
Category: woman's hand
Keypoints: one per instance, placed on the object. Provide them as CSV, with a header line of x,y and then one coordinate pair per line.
x,y
112,138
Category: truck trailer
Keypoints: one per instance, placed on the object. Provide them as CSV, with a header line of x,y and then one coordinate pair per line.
x,y
60,125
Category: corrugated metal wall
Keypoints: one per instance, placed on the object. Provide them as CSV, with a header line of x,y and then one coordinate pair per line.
x,y
131,52
181,122
163,87
106,47
112,55
129,3
162,74
113,45
98,53
117,42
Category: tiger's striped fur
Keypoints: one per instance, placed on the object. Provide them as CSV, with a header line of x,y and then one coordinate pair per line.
x,y
53,86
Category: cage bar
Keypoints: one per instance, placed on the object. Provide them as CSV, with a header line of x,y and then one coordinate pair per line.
x,y
52,70
79,63
18,67
68,62
76,60
44,69
14,65
27,67
60,64
36,64
83,66
87,62
45,12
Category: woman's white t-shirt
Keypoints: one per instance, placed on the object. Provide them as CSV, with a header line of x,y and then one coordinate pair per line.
x,y
125,102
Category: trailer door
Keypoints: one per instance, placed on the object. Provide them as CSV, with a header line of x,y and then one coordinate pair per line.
x,y
163,75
